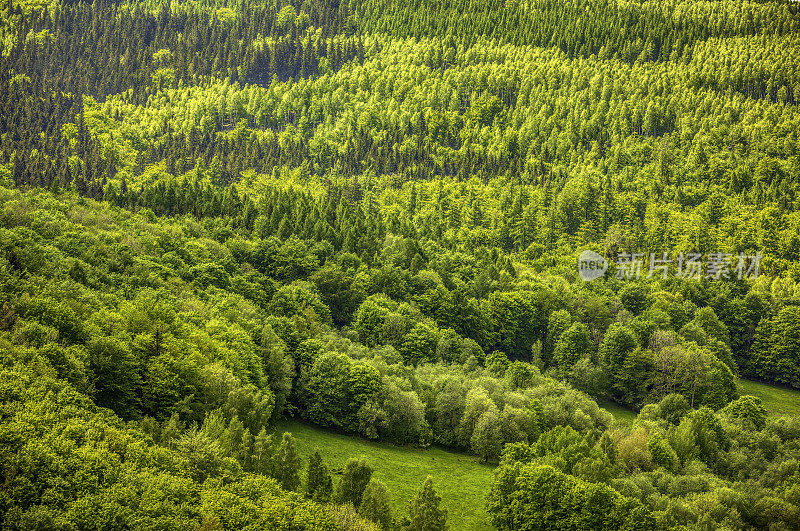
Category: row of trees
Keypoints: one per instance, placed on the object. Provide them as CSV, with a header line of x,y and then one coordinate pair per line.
x,y
216,441
70,463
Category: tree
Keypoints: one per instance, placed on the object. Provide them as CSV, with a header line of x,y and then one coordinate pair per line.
x,y
672,408
521,374
519,320
571,346
486,439
286,463
776,342
531,496
707,319
201,457
705,434
339,291
375,504
425,513
419,344
635,297
319,484
278,367
355,479
618,342
448,410
661,452
370,317
748,411
558,323
116,375
263,448
336,388
404,416
476,404
497,362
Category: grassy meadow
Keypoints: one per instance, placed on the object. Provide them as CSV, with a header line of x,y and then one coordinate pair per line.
x,y
460,480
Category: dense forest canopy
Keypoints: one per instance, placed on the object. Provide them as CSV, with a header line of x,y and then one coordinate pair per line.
x,y
367,216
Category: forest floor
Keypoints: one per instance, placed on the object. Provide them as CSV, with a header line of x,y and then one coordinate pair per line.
x,y
460,480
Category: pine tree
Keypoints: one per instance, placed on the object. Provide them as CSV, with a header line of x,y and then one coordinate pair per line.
x,y
318,480
80,185
425,512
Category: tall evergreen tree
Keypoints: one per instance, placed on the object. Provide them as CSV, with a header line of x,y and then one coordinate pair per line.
x,y
375,504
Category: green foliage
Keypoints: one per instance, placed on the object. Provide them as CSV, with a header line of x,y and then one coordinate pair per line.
x,y
672,408
634,297
355,478
497,363
116,374
749,411
336,388
425,513
573,345
486,439
78,465
375,504
335,211
419,345
544,498
286,467
775,340
661,452
319,485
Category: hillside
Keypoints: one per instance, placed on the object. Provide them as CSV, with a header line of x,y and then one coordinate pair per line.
x,y
546,252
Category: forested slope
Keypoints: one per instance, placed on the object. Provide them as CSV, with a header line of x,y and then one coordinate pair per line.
x,y
368,215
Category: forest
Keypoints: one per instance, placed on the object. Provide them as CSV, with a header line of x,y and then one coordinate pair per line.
x,y
218,217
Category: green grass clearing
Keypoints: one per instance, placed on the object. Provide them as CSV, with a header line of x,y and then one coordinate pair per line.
x,y
460,480
777,400
623,415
